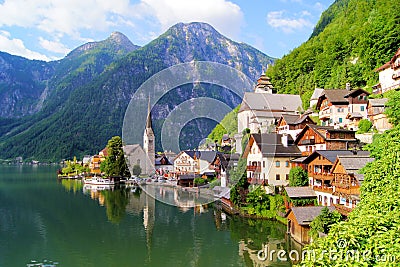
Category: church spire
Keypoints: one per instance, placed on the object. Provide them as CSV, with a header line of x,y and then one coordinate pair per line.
x,y
149,126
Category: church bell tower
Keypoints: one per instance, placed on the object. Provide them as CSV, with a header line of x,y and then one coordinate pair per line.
x,y
148,142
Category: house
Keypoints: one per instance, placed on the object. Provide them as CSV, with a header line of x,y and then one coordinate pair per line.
x,y
347,180
314,98
260,111
300,196
333,107
95,163
389,75
268,159
202,163
299,219
315,137
292,124
357,109
375,110
163,164
319,168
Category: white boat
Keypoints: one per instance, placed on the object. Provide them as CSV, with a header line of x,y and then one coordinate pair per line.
x,y
92,187
99,181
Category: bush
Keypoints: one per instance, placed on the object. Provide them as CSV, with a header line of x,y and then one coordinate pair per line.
x,y
364,126
199,181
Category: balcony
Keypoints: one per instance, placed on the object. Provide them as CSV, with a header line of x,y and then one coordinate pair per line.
x,y
322,176
254,168
323,189
347,189
324,115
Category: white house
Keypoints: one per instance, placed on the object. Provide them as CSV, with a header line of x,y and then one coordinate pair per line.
x,y
389,75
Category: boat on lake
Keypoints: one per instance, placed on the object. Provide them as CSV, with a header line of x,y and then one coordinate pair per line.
x,y
100,181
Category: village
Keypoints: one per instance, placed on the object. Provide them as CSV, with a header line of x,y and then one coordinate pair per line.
x,y
274,136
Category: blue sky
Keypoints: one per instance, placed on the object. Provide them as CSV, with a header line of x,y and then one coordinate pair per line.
x,y
49,29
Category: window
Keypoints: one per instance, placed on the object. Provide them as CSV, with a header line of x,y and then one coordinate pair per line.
x,y
340,120
362,108
264,164
287,177
277,163
278,177
287,164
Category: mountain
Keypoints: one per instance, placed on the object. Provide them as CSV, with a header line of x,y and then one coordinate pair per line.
x,y
351,39
89,90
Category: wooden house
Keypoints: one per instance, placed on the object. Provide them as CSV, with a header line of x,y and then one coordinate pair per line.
x,y
347,179
319,168
357,109
299,219
333,107
376,114
299,196
315,137
292,124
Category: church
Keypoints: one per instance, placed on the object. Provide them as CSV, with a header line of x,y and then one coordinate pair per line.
x,y
143,156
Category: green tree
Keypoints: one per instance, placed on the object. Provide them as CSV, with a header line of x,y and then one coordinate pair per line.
x,y
364,126
393,107
115,163
258,202
136,170
323,222
298,177
240,189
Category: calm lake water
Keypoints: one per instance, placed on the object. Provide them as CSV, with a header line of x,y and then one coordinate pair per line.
x,y
42,219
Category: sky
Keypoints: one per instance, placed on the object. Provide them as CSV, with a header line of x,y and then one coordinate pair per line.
x,y
50,29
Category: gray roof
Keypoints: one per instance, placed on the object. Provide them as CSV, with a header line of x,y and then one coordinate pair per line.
x,y
317,93
271,145
378,102
353,163
331,155
300,192
336,95
305,215
273,102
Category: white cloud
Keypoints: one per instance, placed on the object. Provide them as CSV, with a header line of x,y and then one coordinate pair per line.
x,y
53,46
225,16
279,20
63,17
17,47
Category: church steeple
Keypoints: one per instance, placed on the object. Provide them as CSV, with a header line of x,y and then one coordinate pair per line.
x,y
148,143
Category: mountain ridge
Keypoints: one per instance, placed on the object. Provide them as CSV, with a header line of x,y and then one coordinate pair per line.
x,y
90,90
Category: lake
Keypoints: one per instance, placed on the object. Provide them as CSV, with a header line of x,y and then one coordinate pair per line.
x,y
43,220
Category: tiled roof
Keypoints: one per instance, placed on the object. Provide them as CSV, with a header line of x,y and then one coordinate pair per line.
x,y
300,192
331,155
272,102
336,95
305,215
353,163
378,102
271,145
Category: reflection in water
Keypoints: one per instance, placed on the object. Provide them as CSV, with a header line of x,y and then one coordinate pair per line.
x,y
73,185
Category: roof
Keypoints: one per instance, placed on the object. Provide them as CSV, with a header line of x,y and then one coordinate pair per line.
x,y
271,145
335,96
356,92
331,155
305,215
128,149
388,64
353,163
271,102
187,176
378,102
317,93
300,192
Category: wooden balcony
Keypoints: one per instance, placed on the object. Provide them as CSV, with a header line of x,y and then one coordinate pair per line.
x,y
322,176
323,189
347,189
342,209
254,168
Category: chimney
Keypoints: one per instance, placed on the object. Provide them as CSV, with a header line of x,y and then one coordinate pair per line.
x,y
348,87
284,140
